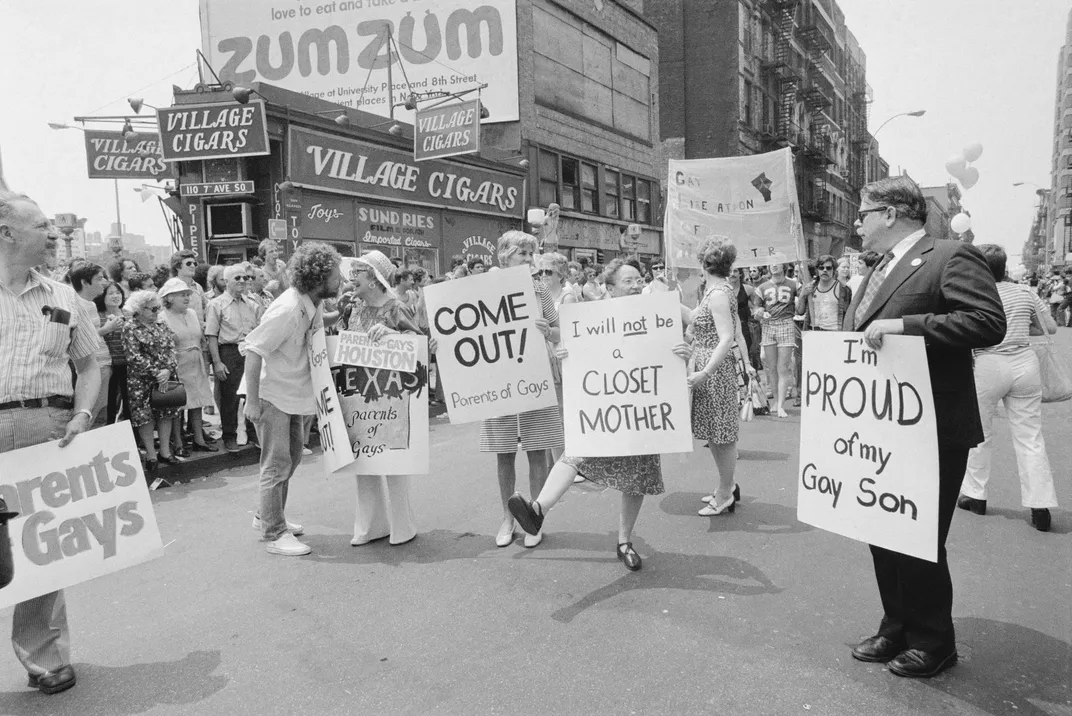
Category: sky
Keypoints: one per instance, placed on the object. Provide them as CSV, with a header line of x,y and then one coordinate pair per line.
x,y
984,70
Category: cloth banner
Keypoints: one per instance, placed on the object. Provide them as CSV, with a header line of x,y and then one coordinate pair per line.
x,y
84,511
623,389
751,200
385,411
869,442
492,359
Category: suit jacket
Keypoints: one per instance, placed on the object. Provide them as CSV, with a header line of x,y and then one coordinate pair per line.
x,y
946,293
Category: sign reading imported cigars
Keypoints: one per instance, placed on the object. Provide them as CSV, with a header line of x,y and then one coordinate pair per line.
x,y
212,131
110,156
347,166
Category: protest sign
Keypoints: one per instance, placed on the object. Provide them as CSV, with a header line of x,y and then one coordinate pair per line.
x,y
385,411
869,442
750,200
396,352
84,511
624,390
329,414
492,358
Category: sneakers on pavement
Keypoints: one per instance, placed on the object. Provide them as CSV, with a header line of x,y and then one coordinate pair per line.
x,y
288,546
231,445
293,527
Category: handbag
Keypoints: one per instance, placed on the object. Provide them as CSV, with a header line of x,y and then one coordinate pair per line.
x,y
1056,385
170,394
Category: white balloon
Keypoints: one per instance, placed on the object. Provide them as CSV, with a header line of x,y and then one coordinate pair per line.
x,y
956,165
973,151
970,178
960,223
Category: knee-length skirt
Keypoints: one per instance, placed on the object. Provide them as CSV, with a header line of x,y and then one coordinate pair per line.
x,y
535,429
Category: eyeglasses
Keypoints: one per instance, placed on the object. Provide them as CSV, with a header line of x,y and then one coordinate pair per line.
x,y
189,262
864,212
243,278
154,309
545,272
658,268
826,268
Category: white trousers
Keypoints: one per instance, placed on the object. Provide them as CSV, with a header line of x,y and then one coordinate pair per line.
x,y
1014,380
383,509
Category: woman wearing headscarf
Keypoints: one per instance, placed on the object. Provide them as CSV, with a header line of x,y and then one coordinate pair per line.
x,y
382,507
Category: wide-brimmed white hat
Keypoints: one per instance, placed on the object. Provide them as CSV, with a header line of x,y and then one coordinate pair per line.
x,y
380,265
173,285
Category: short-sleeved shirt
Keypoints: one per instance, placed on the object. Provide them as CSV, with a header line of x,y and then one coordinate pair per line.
x,y
104,357
1020,304
34,350
779,299
282,341
231,319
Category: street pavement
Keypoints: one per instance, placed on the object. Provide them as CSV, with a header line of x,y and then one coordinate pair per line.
x,y
750,613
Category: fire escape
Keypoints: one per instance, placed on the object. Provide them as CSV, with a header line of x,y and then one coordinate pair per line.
x,y
818,149
861,138
786,74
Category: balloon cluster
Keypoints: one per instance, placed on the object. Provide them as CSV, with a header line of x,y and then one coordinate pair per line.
x,y
959,166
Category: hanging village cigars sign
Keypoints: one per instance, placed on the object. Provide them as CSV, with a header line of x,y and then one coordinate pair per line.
x,y
338,164
212,131
110,156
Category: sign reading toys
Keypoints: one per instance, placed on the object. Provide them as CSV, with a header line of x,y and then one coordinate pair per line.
x,y
338,51
212,131
492,357
447,131
869,442
84,511
110,156
624,390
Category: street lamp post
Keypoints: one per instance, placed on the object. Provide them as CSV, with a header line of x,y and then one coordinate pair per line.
x,y
916,113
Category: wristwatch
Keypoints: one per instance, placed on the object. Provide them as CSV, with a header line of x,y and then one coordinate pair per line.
x,y
88,414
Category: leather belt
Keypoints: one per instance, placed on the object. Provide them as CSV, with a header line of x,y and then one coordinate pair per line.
x,y
52,401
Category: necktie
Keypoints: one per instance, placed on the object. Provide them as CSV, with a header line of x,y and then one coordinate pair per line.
x,y
873,285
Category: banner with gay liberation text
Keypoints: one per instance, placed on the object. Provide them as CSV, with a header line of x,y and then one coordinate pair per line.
x,y
84,511
869,442
624,390
492,358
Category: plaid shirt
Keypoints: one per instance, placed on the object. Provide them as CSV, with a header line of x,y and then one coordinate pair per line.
x,y
35,351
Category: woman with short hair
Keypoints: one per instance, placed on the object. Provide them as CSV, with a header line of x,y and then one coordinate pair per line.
x,y
110,309
191,368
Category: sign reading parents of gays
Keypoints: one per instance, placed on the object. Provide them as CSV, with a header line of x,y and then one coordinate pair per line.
x,y
492,358
752,201
394,352
869,442
84,511
624,390
329,413
385,409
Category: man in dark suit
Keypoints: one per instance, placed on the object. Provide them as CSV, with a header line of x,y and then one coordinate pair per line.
x,y
941,290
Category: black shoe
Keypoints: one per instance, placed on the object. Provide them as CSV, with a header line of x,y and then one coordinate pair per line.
x,y
525,514
170,459
920,664
207,447
230,445
877,648
628,555
1040,518
972,505
182,452
736,493
53,682
151,466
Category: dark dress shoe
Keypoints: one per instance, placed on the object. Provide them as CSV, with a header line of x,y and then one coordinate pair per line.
x,y
526,515
972,505
877,649
207,447
53,682
182,452
629,557
151,465
171,459
920,664
1040,518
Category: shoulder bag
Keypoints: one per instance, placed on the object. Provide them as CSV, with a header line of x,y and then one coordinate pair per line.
x,y
1056,385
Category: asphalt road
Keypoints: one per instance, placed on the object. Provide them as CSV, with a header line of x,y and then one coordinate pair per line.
x,y
752,613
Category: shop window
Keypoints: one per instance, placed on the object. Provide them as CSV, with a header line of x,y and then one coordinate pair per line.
x,y
589,189
548,175
612,192
629,198
643,195
571,183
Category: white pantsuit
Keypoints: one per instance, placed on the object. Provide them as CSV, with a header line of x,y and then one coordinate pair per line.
x,y
1013,379
383,509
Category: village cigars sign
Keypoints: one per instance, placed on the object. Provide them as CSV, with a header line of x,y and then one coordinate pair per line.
x,y
212,131
338,164
110,156
447,131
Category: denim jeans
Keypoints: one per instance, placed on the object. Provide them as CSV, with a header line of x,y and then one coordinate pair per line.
x,y
281,438
1014,380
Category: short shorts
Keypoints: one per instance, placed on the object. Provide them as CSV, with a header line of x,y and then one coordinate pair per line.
x,y
779,333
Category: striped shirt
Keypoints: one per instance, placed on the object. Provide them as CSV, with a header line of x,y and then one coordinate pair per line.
x,y
34,350
1020,304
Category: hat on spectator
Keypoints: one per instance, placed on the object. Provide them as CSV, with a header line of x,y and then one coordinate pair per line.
x,y
380,265
234,270
173,285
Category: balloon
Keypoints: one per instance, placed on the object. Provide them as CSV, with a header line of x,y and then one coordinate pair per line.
x,y
970,178
973,151
956,165
960,223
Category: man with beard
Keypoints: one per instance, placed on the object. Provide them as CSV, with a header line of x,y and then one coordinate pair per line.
x,y
944,292
634,475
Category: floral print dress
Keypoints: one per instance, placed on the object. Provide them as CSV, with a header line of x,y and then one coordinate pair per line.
x,y
149,349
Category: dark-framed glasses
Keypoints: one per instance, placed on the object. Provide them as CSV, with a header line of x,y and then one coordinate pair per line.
x,y
862,213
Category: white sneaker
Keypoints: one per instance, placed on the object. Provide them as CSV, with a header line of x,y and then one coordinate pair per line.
x,y
293,527
306,451
289,546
